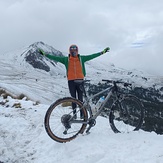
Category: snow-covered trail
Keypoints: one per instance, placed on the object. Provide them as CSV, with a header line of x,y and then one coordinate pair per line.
x,y
23,139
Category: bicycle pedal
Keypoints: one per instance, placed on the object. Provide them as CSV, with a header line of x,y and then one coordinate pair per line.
x,y
87,131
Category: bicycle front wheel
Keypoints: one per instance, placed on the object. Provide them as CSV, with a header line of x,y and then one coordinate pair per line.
x,y
62,123
126,115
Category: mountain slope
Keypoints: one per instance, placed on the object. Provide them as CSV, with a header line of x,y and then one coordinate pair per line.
x,y
27,66
28,63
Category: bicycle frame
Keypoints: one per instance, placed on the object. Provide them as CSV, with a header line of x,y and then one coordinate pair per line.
x,y
89,108
87,99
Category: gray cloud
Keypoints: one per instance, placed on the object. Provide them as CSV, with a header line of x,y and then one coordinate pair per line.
x,y
132,29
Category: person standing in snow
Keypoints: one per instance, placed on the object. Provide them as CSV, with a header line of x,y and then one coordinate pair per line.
x,y
75,67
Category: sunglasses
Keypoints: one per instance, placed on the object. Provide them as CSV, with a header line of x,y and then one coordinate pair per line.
x,y
73,48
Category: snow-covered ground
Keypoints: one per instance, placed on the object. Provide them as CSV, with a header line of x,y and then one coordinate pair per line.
x,y
23,139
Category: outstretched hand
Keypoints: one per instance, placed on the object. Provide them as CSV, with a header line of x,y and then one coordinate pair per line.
x,y
41,52
105,50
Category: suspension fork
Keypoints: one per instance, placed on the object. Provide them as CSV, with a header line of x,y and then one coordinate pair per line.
x,y
123,110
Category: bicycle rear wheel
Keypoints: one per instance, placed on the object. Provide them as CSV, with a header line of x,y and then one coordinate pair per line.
x,y
62,123
126,115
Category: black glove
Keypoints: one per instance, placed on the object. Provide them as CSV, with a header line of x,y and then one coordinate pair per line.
x,y
105,50
41,52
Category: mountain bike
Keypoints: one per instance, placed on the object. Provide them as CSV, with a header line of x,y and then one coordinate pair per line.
x,y
126,113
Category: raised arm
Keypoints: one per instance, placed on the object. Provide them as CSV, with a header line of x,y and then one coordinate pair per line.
x,y
52,57
92,56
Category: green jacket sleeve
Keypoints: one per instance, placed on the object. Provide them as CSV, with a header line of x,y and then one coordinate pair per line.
x,y
90,57
57,58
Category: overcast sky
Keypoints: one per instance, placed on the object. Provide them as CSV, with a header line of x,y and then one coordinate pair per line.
x,y
133,29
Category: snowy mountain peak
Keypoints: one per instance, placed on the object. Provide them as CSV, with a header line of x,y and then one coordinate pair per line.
x,y
37,44
32,56
29,57
41,45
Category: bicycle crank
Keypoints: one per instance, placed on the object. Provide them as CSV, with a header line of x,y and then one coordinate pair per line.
x,y
92,123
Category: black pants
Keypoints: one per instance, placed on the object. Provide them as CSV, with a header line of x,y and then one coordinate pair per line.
x,y
75,91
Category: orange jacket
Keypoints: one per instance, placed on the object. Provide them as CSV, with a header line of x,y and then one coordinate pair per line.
x,y
74,69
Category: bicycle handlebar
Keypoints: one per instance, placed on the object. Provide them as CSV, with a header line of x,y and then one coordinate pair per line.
x,y
108,81
117,82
